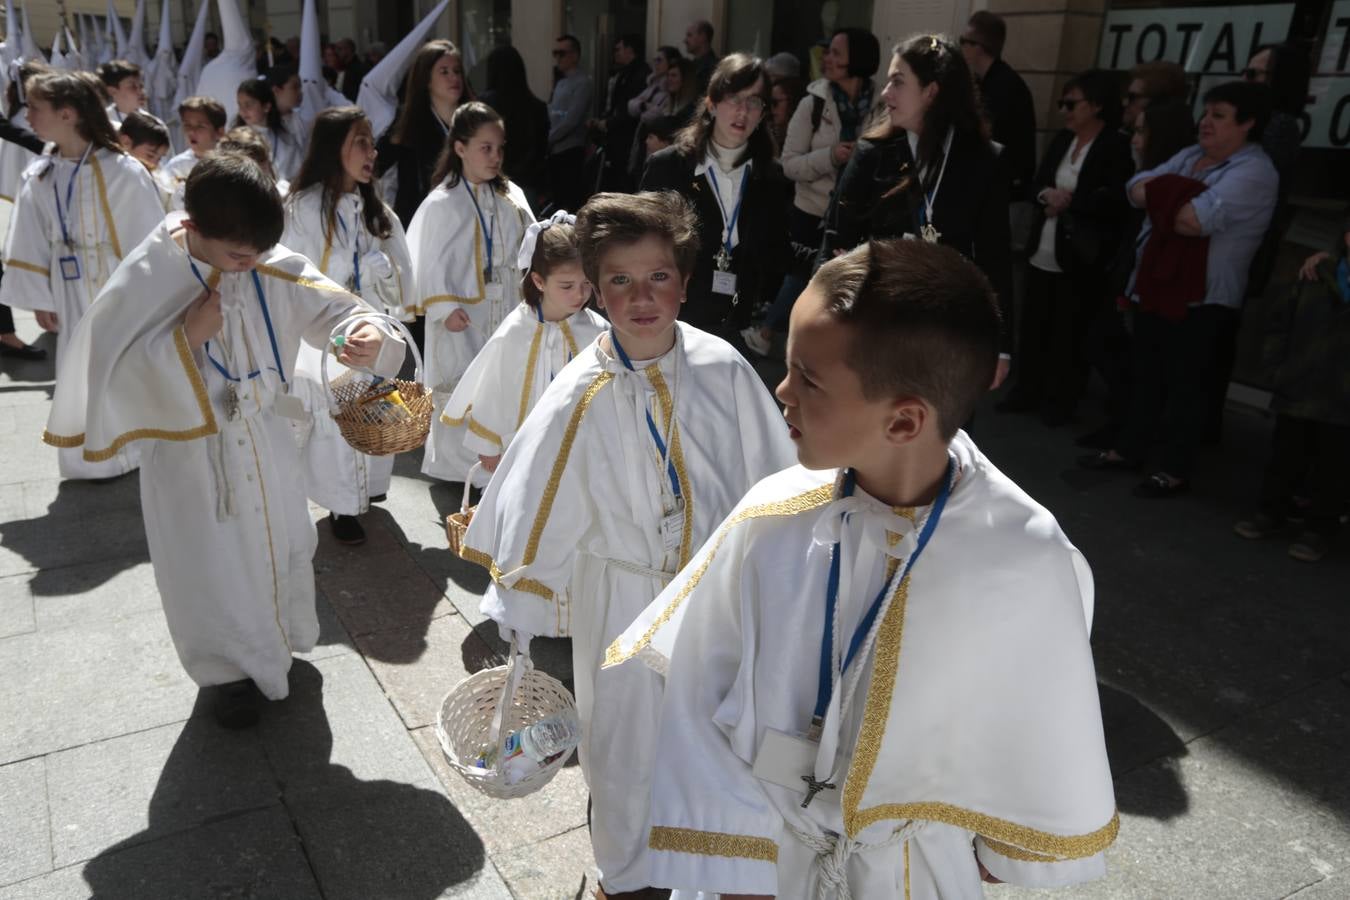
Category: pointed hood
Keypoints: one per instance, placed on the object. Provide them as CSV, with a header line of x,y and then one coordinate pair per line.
x,y
75,57
58,56
379,89
190,67
10,49
163,70
29,45
317,95
136,40
117,37
222,76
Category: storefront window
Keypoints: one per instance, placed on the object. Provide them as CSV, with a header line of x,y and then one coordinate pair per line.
x,y
483,25
766,27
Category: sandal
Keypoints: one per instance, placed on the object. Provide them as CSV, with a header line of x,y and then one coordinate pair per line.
x,y
1103,462
1158,486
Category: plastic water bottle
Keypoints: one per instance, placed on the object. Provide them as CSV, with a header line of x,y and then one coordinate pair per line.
x,y
547,738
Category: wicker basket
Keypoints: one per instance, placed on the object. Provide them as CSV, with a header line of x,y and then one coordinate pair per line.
x,y
362,425
456,524
489,706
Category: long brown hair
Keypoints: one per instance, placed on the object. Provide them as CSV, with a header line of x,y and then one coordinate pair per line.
x,y
733,74
464,125
416,124
323,166
78,91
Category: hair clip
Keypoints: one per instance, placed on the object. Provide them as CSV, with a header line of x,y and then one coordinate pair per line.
x,y
936,44
526,254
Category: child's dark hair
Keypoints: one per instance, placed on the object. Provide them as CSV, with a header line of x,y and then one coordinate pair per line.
x,y
15,98
207,106
260,89
733,74
113,71
78,91
556,246
323,166
610,220
245,141
143,128
230,198
925,323
464,124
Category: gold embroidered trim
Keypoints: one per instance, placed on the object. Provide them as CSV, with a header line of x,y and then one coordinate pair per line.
x,y
530,363
713,843
811,499
653,373
315,283
271,549
478,274
6,198
327,238
560,464
906,870
483,431
12,263
199,391
567,336
103,202
525,585
1018,853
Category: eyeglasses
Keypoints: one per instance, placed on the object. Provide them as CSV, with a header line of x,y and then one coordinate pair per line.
x,y
1068,105
753,105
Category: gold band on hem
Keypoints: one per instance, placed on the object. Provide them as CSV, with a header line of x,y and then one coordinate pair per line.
x,y
713,843
524,585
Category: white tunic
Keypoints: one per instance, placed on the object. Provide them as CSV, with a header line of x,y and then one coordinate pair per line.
x,y
287,153
113,205
337,477
511,373
983,725
576,529
448,240
173,175
229,531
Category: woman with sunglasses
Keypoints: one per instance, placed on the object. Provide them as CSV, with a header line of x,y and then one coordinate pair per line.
x,y
1081,212
723,164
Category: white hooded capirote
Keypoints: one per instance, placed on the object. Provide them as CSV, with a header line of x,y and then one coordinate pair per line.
x,y
220,78
162,75
378,96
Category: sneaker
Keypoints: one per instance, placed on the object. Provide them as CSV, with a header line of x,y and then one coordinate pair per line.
x,y
1309,547
756,341
236,705
1258,526
347,529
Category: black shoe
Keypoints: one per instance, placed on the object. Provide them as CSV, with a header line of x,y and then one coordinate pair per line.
x,y
1104,463
27,351
379,498
236,705
1158,487
347,529
1102,439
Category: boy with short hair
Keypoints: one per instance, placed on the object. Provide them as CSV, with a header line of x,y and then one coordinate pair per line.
x,y
203,123
123,84
144,137
189,351
954,696
603,494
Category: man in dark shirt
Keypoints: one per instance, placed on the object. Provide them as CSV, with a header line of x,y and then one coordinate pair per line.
x,y
698,38
629,80
1005,96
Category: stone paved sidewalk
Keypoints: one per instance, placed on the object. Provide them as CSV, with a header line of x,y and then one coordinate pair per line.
x,y
1220,664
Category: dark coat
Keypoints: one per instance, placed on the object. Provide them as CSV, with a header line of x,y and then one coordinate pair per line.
x,y
527,125
1092,227
1308,351
759,260
1012,123
416,163
970,210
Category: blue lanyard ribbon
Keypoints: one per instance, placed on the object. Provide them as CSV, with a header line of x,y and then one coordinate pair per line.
x,y
826,683
70,196
651,423
356,253
267,319
486,226
735,213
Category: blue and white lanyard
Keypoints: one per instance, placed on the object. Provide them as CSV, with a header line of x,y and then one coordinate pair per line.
x,y
267,318
356,253
651,423
539,311
728,224
70,197
488,225
826,684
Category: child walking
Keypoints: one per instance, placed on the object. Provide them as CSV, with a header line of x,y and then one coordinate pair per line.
x,y
544,333
463,240
955,699
189,352
258,110
203,122
336,219
83,207
637,449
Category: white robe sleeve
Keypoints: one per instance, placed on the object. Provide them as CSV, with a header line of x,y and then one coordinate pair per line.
x,y
136,205
398,292
28,252
713,827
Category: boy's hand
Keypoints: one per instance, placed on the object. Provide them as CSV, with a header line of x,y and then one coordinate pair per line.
x,y
362,347
457,321
48,321
490,463
985,876
203,319
1307,273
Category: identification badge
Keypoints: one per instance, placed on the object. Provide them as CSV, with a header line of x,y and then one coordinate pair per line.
x,y
672,530
724,283
70,268
784,758
289,407
493,290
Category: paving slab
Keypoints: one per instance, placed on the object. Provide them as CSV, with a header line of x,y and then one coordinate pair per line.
x,y
25,839
107,591
560,868
16,607
381,591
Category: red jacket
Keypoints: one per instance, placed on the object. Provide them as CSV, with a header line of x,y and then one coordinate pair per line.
x,y
1173,267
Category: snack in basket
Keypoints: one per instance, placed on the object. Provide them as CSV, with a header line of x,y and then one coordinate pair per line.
x,y
533,747
385,403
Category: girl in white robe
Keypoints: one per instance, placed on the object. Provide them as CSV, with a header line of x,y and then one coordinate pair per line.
x,y
336,219
82,207
463,241
622,470
521,359
258,110
228,526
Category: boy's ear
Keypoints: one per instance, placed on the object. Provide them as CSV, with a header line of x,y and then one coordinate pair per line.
x,y
538,282
684,291
189,225
124,141
910,416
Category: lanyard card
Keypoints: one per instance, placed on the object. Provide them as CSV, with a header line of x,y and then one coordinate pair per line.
x,y
672,529
288,406
724,283
70,268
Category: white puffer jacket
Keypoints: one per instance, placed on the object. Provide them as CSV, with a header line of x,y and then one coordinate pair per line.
x,y
808,157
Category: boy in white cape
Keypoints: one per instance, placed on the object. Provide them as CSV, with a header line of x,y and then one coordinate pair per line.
x,y
604,494
878,677
189,352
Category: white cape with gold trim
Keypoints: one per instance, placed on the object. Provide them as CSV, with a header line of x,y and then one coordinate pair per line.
x,y
448,247
229,530
975,715
570,528
512,371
